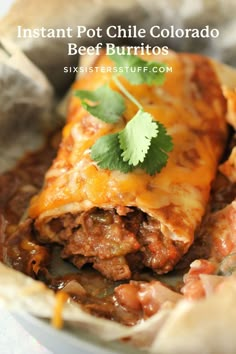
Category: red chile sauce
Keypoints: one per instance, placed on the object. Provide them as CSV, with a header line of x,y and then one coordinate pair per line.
x,y
86,286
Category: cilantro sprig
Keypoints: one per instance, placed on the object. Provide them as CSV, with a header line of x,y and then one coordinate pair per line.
x,y
107,153
143,127
144,142
101,106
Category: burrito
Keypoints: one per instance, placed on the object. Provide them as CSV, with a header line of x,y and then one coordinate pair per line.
x,y
122,222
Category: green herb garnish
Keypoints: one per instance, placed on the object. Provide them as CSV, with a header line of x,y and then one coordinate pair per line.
x,y
144,142
107,153
135,139
157,157
107,105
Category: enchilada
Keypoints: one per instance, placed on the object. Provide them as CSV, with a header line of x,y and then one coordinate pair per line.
x,y
120,222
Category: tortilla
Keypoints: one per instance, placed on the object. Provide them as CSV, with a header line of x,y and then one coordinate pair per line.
x,y
192,327
167,207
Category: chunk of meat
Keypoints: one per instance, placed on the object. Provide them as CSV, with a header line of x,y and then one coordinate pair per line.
x,y
102,234
113,268
96,233
127,296
149,297
160,252
193,287
154,295
116,242
220,229
216,238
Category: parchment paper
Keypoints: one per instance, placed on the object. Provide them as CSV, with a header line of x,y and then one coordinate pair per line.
x,y
26,103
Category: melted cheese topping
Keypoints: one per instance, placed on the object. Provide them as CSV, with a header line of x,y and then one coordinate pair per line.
x,y
191,106
60,300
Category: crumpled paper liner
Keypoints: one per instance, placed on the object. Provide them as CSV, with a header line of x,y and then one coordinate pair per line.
x,y
21,293
206,326
50,55
26,102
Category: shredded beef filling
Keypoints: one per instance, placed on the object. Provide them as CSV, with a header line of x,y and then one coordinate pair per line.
x,y
116,244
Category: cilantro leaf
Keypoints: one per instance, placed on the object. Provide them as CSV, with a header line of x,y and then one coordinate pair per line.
x,y
144,142
135,138
138,71
157,156
107,105
107,153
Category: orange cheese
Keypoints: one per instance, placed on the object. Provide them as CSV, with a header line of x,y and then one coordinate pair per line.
x,y
191,106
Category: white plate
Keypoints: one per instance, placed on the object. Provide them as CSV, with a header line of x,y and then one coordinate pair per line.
x,y
63,341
